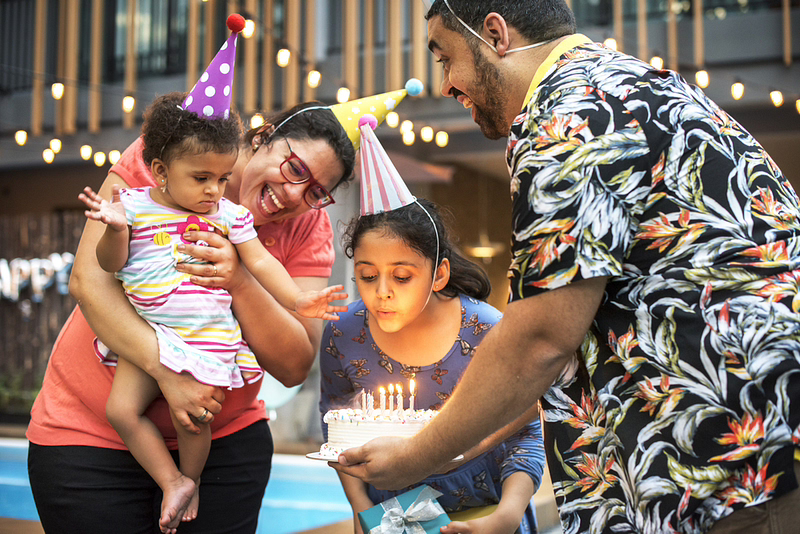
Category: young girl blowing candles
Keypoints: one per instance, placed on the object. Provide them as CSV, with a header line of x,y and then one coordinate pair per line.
x,y
421,314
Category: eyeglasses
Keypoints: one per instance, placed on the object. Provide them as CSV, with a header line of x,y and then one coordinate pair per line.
x,y
295,171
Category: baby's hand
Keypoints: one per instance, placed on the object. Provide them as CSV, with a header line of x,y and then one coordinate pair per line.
x,y
493,523
316,304
111,213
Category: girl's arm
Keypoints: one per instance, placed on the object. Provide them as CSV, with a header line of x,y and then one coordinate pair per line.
x,y
356,492
516,496
112,249
116,323
271,274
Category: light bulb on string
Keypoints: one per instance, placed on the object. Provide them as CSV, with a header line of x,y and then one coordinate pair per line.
x,y
113,157
313,79
409,137
776,97
657,62
426,134
99,158
342,95
86,152
57,90
256,121
610,43
406,126
48,155
21,137
249,28
702,78
797,105
282,57
737,90
442,138
128,103
392,119
55,145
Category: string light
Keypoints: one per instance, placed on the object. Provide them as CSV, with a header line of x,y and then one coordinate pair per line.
x,y
702,78
610,43
314,77
57,90
282,57
257,121
48,156
426,134
86,152
737,90
249,29
442,139
113,157
342,95
21,137
776,97
406,126
392,119
55,145
797,104
128,103
99,158
657,62
409,137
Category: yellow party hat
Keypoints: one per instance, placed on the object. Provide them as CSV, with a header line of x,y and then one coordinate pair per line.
x,y
349,113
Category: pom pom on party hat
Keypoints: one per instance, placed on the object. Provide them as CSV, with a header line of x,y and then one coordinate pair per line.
x,y
349,113
382,188
211,95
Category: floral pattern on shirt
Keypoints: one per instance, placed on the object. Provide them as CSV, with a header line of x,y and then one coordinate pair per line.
x,y
684,405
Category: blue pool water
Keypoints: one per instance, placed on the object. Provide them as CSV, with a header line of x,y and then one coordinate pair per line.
x,y
301,494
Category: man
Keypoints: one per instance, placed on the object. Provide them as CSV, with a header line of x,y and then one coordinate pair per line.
x,y
653,235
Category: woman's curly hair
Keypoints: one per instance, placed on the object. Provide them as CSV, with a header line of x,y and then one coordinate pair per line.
x,y
170,132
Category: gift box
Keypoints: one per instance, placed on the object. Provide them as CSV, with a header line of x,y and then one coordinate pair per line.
x,y
414,512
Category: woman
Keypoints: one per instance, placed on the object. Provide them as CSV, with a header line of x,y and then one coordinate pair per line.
x,y
82,477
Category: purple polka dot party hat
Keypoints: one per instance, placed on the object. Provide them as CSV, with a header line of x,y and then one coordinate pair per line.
x,y
211,95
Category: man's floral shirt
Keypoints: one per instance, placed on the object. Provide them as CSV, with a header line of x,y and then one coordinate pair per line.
x,y
686,401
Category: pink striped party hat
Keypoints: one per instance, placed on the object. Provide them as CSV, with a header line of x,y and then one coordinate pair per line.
x,y
211,95
382,188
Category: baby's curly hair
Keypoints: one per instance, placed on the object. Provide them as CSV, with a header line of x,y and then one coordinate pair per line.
x,y
170,132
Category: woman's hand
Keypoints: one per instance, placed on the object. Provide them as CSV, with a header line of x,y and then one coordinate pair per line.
x,y
186,397
222,267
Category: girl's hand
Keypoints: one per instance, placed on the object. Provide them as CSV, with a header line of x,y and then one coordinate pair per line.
x,y
222,269
316,304
111,213
494,523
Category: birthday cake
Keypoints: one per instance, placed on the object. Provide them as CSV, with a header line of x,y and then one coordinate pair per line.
x,y
354,427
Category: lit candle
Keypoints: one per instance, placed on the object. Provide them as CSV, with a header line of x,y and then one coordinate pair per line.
x,y
391,400
364,401
383,401
399,399
413,393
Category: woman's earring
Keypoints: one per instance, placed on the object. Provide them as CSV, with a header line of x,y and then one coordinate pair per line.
x,y
256,142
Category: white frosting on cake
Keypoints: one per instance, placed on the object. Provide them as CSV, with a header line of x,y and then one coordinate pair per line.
x,y
353,428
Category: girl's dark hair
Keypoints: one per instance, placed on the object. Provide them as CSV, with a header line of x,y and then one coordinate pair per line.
x,y
313,124
170,132
412,225
537,21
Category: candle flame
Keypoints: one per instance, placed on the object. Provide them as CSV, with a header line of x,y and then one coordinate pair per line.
x,y
383,391
412,386
399,389
391,389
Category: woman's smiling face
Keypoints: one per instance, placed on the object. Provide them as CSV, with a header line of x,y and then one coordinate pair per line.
x,y
268,195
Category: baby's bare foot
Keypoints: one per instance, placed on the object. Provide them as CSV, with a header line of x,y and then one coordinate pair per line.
x,y
194,504
177,497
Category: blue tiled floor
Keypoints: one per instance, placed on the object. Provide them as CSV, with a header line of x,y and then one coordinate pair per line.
x,y
302,493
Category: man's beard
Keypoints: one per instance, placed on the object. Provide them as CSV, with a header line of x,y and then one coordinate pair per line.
x,y
489,115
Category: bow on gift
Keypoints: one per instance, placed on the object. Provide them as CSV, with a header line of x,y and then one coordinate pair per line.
x,y
396,521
